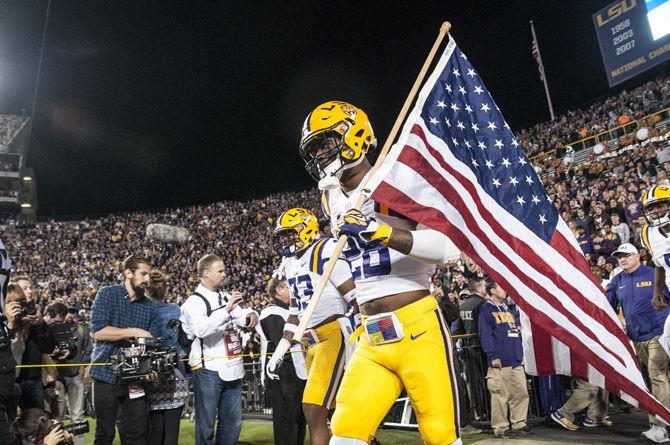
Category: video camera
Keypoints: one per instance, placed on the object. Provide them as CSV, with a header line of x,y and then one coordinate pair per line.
x,y
142,357
65,339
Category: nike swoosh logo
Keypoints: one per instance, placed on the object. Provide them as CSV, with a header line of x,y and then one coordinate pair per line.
x,y
414,337
621,287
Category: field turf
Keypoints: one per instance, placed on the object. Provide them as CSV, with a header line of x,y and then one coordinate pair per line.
x,y
258,432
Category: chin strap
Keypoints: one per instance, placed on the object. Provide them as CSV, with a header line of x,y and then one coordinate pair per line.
x,y
333,172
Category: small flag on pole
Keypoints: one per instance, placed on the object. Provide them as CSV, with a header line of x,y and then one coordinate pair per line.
x,y
538,58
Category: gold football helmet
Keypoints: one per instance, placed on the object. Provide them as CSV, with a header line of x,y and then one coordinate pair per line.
x,y
296,230
335,137
656,205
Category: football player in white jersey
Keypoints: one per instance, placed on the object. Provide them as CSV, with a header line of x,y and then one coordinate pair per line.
x,y
406,342
327,337
655,237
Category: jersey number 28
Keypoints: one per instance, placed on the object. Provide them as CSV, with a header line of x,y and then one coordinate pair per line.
x,y
372,261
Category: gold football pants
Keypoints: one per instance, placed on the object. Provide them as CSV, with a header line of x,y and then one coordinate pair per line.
x,y
325,365
420,362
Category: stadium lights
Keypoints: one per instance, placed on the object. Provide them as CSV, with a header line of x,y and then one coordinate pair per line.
x,y
27,178
26,205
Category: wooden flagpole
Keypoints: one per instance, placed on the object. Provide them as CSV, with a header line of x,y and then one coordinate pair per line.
x,y
330,265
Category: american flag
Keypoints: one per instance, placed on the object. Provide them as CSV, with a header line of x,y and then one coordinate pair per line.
x,y
538,58
458,168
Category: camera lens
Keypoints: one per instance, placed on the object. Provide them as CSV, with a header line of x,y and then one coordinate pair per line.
x,y
77,428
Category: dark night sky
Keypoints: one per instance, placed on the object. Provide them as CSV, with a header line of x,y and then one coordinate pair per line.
x,y
155,104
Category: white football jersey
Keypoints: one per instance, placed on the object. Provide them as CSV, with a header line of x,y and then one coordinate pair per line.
x,y
658,245
378,270
303,276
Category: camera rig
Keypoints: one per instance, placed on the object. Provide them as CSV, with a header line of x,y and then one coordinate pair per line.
x,y
142,357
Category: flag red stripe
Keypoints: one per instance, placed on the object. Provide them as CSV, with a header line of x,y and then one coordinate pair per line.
x,y
385,193
544,355
576,258
578,366
413,158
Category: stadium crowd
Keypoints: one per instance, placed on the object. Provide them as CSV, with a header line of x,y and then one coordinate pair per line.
x,y
602,115
68,262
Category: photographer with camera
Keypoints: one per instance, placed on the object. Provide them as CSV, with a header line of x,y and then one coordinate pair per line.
x,y
7,362
35,426
73,345
167,396
121,312
211,317
30,338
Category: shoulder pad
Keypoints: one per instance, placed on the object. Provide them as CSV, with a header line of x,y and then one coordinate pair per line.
x,y
325,208
317,258
644,237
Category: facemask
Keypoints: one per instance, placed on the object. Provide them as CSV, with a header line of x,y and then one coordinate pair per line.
x,y
333,172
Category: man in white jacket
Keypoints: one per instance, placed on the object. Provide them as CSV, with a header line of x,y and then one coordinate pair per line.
x,y
212,317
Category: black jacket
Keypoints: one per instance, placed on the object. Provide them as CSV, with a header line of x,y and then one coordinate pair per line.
x,y
469,309
39,341
449,310
7,362
273,328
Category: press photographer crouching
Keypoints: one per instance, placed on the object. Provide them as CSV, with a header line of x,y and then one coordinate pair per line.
x,y
35,426
30,338
73,346
120,313
168,395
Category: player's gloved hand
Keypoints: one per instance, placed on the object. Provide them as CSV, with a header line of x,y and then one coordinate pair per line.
x,y
364,229
273,365
277,357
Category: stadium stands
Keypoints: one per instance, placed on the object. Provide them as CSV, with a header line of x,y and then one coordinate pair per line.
x,y
612,112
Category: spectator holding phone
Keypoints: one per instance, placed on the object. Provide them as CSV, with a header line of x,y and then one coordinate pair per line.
x,y
211,318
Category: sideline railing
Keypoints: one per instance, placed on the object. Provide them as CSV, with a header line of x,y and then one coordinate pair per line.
x,y
611,134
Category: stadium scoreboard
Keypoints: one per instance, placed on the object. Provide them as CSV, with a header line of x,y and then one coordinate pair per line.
x,y
634,35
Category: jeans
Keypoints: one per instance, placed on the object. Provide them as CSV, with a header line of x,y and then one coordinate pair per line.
x,y
32,395
54,400
74,388
216,398
111,400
